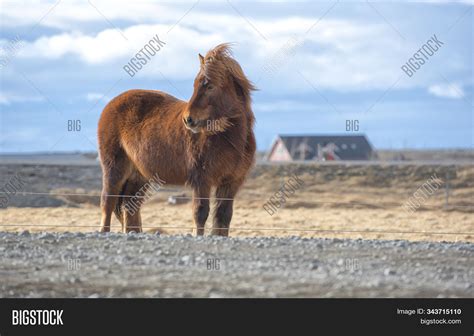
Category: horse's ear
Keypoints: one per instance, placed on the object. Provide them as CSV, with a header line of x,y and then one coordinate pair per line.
x,y
201,59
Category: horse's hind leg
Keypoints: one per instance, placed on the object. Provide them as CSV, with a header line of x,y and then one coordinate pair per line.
x,y
135,190
223,210
114,176
110,189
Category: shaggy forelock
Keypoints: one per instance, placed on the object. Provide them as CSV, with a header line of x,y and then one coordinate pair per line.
x,y
219,63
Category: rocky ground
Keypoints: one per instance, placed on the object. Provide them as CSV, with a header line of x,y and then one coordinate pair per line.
x,y
153,265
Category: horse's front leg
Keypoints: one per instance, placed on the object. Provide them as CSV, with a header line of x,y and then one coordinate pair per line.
x,y
201,207
225,194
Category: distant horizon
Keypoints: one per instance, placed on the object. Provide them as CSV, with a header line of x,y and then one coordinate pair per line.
x,y
259,151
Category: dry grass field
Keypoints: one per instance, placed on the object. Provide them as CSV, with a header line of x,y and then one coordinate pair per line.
x,y
337,200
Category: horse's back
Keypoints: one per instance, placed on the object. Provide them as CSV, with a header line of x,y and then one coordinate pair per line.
x,y
137,120
139,103
134,107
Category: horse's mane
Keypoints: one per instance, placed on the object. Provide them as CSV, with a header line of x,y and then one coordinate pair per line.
x,y
219,63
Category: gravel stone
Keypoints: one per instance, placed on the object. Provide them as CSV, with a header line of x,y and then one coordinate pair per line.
x,y
151,265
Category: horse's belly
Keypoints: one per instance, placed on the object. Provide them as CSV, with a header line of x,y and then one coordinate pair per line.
x,y
169,167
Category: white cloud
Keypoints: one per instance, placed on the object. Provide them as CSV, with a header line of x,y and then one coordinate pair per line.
x,y
94,96
107,45
331,54
7,98
67,15
453,91
338,54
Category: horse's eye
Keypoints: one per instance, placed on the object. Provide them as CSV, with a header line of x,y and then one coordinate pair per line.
x,y
209,86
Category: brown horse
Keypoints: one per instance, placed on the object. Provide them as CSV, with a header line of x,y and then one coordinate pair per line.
x,y
205,143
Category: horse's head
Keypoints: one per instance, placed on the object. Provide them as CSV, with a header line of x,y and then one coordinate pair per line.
x,y
221,92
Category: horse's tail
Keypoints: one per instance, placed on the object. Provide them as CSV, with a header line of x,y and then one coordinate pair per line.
x,y
120,204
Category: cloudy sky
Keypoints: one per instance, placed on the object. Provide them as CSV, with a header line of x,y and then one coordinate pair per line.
x,y
316,64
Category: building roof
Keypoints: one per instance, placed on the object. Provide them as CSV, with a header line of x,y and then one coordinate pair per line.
x,y
347,147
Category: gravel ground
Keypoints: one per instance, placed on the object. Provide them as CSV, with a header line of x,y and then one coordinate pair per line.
x,y
147,265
